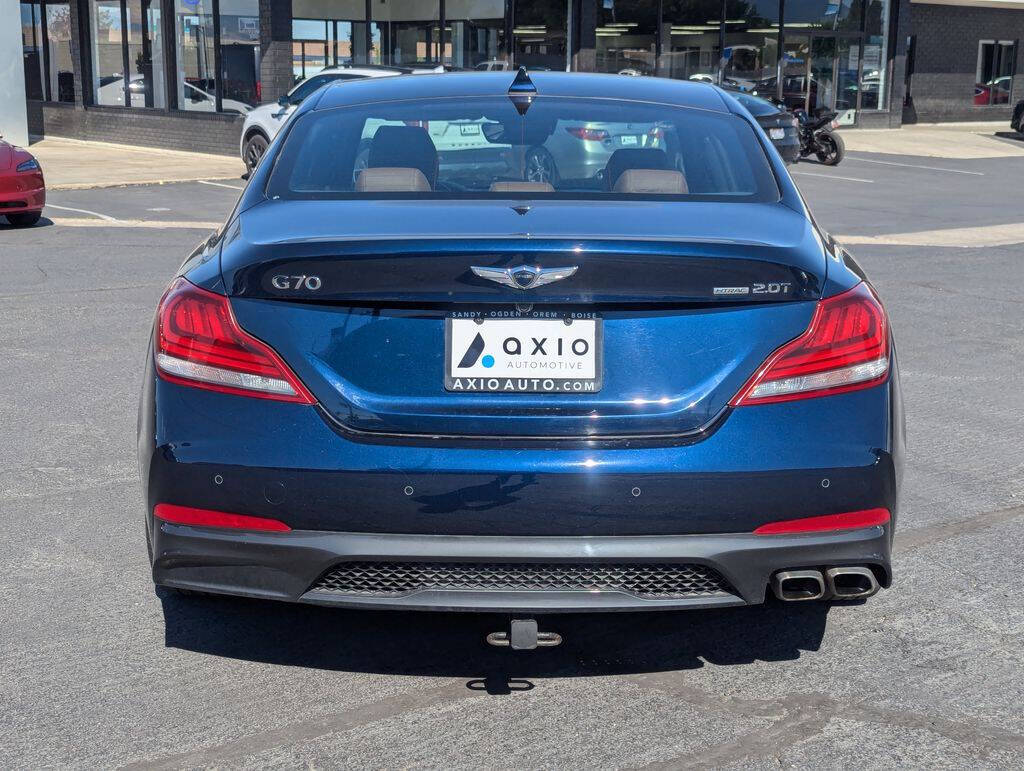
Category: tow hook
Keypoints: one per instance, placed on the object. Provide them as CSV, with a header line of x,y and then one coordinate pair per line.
x,y
522,635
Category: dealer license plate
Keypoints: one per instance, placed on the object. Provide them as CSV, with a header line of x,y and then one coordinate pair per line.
x,y
498,351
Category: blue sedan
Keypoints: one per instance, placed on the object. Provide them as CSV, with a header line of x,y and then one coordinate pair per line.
x,y
430,381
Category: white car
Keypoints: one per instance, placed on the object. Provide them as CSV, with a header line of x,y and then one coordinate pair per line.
x,y
262,123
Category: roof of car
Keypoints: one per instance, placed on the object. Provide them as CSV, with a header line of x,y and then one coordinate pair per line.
x,y
368,69
477,84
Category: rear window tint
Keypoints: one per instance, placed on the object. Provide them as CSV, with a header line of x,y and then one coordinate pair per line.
x,y
562,148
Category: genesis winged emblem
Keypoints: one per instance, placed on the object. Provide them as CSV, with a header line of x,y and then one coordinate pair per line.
x,y
524,276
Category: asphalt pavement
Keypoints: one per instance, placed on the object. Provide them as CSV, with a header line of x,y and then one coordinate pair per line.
x,y
99,670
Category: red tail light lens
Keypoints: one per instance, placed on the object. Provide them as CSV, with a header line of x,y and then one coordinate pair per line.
x,y
850,520
186,515
589,134
200,344
845,348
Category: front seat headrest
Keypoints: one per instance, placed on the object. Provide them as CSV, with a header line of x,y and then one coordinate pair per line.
x,y
658,181
404,147
392,179
633,158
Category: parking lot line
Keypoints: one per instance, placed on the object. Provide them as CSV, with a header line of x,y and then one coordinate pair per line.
x,y
83,222
833,176
219,184
914,166
105,217
963,238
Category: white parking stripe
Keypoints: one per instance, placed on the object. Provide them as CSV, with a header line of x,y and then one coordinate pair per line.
x,y
914,166
106,217
832,176
963,238
219,184
82,222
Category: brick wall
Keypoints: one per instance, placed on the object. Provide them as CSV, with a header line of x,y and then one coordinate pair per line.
x,y
199,132
276,73
946,58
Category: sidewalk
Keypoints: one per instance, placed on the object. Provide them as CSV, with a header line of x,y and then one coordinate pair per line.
x,y
939,140
71,164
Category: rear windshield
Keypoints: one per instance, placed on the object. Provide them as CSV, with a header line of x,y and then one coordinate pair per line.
x,y
755,104
563,148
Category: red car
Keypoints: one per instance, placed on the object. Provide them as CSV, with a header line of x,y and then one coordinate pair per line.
x,y
22,190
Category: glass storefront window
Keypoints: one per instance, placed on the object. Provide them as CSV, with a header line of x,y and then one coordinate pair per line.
x,y
996,67
194,41
409,32
32,49
540,34
626,36
58,32
46,48
689,34
127,53
310,45
751,56
795,55
835,15
475,35
328,33
144,38
107,61
240,54
344,41
874,61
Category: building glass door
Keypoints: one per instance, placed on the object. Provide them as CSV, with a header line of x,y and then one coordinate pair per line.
x,y
820,71
540,34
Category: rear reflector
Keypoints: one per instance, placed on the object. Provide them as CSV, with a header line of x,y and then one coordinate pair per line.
x,y
186,515
850,520
199,343
845,348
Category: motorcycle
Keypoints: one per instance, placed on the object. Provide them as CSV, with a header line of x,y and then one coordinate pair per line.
x,y
819,138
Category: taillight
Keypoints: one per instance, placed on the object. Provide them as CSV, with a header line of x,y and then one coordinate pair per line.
x,y
589,134
845,348
199,343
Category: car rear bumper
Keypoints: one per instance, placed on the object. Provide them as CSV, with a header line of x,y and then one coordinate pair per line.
x,y
290,566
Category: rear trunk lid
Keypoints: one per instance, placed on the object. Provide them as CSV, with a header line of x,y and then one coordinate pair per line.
x,y
677,324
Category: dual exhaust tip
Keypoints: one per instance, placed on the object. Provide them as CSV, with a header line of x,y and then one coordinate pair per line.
x,y
847,583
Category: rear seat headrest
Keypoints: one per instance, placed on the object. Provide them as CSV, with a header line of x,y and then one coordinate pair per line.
x,y
662,181
404,147
633,158
392,179
522,187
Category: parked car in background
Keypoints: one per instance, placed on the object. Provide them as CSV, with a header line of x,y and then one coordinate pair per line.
x,y
781,126
22,189
262,123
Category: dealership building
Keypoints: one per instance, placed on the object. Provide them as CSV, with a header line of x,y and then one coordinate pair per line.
x,y
182,73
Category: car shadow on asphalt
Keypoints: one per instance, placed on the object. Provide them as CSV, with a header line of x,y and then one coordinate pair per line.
x,y
453,644
42,223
